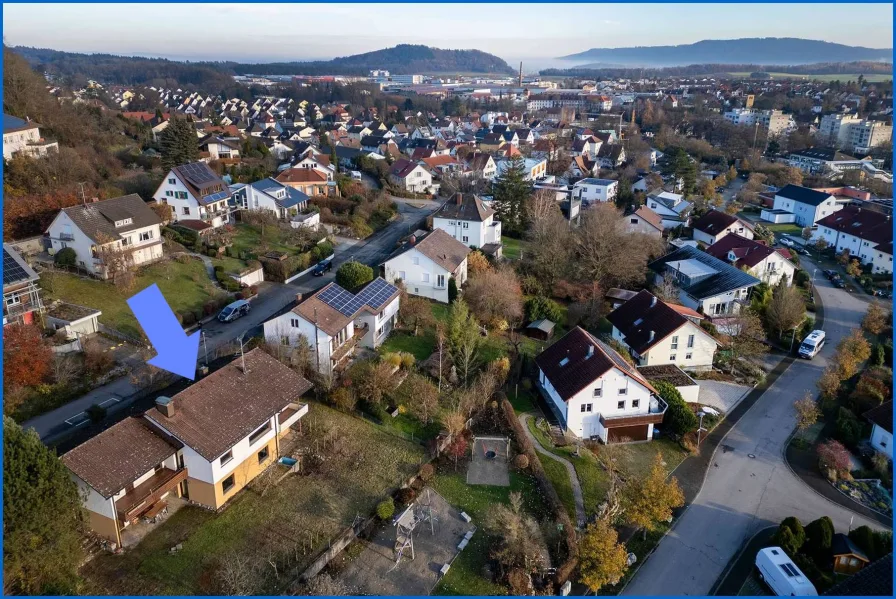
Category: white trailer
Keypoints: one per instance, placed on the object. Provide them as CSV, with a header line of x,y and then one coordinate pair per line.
x,y
782,576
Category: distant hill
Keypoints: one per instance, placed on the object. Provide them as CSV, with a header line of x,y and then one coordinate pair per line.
x,y
829,70
754,50
404,59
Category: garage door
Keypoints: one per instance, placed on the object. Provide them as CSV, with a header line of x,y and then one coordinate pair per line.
x,y
637,432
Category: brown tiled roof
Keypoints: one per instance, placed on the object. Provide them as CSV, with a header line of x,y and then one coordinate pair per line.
x,y
464,206
98,218
640,316
882,416
434,161
714,222
301,175
402,168
864,224
118,455
443,249
748,252
581,370
212,415
329,319
650,217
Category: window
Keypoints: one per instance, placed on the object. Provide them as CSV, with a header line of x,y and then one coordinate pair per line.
x,y
425,277
690,341
260,432
675,342
672,357
598,392
883,443
263,455
440,280
146,236
688,356
623,391
13,299
416,260
466,239
294,323
186,210
228,484
620,404
172,181
402,275
226,457
634,221
169,193
636,403
466,225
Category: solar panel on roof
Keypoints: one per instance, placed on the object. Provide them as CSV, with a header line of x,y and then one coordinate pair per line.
x,y
374,295
198,173
217,196
12,272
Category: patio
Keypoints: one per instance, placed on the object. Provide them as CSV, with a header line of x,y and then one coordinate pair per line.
x,y
132,534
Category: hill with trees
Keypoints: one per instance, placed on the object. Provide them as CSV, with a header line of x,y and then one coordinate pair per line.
x,y
770,50
592,71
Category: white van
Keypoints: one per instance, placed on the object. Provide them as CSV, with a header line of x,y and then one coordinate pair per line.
x,y
781,575
356,175
812,344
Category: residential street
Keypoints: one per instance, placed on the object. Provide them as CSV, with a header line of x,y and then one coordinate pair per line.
x,y
749,486
272,298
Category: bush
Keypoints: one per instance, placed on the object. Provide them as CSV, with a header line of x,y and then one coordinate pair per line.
x,y
385,509
343,399
849,429
353,275
393,359
521,462
407,360
187,319
833,455
452,290
426,472
539,307
405,496
801,278
878,355
66,257
790,536
819,534
680,418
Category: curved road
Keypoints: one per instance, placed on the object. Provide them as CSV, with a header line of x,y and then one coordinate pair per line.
x,y
742,494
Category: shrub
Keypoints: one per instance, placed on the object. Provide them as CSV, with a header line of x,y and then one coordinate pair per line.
x,y
791,535
833,455
407,360
385,509
521,462
343,399
405,496
680,418
353,275
849,429
539,307
66,257
393,359
878,355
187,319
452,290
819,534
801,278
426,472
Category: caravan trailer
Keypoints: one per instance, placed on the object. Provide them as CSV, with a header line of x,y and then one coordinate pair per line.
x,y
779,572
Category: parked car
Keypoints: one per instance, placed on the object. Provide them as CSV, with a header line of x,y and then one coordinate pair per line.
x,y
830,274
322,267
356,175
233,311
786,242
838,283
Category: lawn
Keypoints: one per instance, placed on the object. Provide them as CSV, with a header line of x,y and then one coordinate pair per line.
x,y
465,576
559,477
361,464
513,248
249,238
421,346
784,228
186,286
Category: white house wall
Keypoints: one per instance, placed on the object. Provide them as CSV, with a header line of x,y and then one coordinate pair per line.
x,y
882,441
414,275
277,328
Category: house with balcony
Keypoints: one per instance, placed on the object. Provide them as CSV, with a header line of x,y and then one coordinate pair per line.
x,y
591,190
657,333
200,446
410,176
21,295
672,208
195,192
867,234
310,181
213,147
273,196
126,224
706,284
333,321
466,218
594,393
23,137
426,264
767,264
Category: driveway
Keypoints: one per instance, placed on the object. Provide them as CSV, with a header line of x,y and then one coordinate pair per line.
x,y
273,299
749,486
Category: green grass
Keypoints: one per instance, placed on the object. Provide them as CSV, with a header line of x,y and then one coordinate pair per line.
x,y
421,346
522,402
465,576
559,477
784,228
361,466
249,238
231,265
844,77
186,287
513,248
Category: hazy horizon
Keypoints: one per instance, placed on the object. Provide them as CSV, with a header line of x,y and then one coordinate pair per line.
x,y
346,29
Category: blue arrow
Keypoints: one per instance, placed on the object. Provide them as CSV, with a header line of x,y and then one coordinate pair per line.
x,y
177,352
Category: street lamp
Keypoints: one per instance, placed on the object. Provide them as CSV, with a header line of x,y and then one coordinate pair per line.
x,y
700,429
793,336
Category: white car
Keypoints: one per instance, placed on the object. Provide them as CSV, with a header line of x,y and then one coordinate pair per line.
x,y
786,242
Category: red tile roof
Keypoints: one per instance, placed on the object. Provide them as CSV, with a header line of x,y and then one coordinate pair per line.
x,y
865,224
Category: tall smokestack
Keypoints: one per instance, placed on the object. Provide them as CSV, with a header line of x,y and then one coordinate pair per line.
x,y
521,73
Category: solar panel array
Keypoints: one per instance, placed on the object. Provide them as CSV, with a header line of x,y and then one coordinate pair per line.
x,y
198,173
12,272
374,295
221,195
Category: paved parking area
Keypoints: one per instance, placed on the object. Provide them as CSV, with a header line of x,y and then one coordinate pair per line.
x,y
721,395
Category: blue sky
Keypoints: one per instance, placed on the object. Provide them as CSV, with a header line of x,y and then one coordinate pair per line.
x,y
531,32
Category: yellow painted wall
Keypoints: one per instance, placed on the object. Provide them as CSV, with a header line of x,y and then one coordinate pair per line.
x,y
104,527
213,495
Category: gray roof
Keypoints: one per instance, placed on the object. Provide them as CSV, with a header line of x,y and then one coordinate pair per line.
x,y
544,325
726,278
803,195
14,123
98,218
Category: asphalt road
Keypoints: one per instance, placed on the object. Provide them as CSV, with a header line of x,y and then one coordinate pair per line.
x,y
273,298
749,486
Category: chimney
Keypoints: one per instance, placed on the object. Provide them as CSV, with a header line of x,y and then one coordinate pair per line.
x,y
590,351
299,297
460,198
652,335
165,405
652,301
412,239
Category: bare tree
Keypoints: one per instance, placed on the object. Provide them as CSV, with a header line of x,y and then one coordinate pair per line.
x,y
240,574
116,261
786,309
549,258
495,296
541,205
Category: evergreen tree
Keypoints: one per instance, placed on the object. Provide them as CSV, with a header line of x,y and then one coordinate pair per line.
x,y
178,143
41,517
511,190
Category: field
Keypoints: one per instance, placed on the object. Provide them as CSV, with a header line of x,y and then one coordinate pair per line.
x,y
361,465
784,228
872,78
186,286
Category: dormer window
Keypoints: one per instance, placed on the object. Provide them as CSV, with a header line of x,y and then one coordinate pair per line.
x,y
123,222
564,361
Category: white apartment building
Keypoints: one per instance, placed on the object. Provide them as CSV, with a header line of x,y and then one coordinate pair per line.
x,y
466,218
